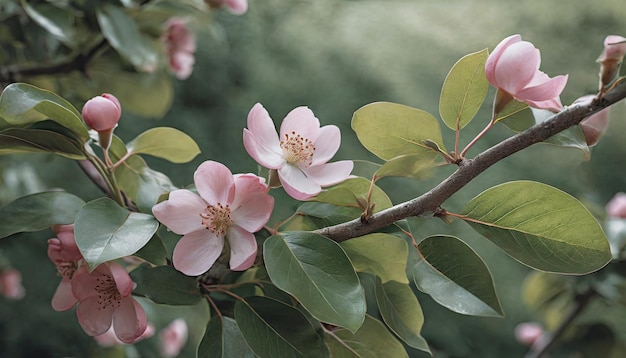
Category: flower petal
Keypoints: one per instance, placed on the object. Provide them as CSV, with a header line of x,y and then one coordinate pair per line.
x,y
122,279
214,182
196,252
326,144
494,57
296,184
517,66
243,248
94,318
300,120
63,298
543,88
254,212
84,283
129,320
180,213
330,173
261,140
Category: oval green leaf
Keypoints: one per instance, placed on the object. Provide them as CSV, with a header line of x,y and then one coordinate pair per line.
x,y
105,231
274,329
464,90
22,140
383,255
38,211
58,21
456,277
166,285
540,226
389,130
223,339
22,104
418,166
401,312
317,272
372,340
167,143
349,192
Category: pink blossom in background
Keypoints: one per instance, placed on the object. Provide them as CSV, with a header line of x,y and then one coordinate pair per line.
x,y
616,207
611,59
236,7
180,45
102,113
513,68
104,297
228,206
528,332
109,338
300,154
11,284
64,254
173,338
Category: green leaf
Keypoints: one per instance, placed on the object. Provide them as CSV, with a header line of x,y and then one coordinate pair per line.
x,y
327,214
154,251
22,140
22,104
223,339
389,130
317,272
167,143
59,22
540,226
383,255
38,211
274,329
456,277
372,340
166,285
464,90
105,231
517,116
123,34
401,312
350,191
418,166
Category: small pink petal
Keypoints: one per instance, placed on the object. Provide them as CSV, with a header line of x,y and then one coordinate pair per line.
x,y
129,320
296,184
542,87
237,7
93,317
84,284
554,104
330,173
302,121
326,144
196,252
215,183
261,152
254,212
494,57
63,298
517,66
122,279
180,213
243,248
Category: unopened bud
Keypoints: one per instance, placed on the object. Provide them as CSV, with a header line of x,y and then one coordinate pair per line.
x,y
101,114
611,59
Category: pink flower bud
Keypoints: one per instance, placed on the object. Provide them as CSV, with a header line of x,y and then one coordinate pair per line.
x,y
180,45
611,59
528,332
102,113
616,207
173,338
11,284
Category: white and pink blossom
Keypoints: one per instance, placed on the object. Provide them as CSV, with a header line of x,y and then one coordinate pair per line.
x,y
226,206
300,155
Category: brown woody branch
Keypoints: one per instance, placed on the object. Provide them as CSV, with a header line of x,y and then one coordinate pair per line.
x,y
471,168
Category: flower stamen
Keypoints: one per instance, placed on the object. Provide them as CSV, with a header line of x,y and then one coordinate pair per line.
x,y
216,218
297,149
108,294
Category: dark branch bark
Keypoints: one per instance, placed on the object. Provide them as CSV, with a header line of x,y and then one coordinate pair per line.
x,y
471,168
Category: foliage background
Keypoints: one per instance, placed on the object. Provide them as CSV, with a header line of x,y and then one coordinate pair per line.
x,y
335,56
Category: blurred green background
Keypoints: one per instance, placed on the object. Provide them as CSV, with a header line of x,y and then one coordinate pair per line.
x,y
336,56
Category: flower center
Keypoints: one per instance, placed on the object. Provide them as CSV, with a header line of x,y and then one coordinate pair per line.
x,y
108,294
216,218
66,269
297,149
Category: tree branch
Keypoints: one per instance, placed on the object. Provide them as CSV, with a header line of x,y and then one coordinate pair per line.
x,y
471,168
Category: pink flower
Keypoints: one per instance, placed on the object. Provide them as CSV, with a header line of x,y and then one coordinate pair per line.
x,y
65,255
109,338
595,125
231,206
11,284
180,45
173,338
611,59
300,155
236,7
528,332
513,68
616,207
104,297
101,113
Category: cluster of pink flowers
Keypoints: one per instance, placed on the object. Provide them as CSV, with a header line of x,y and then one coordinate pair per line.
x,y
180,45
103,295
